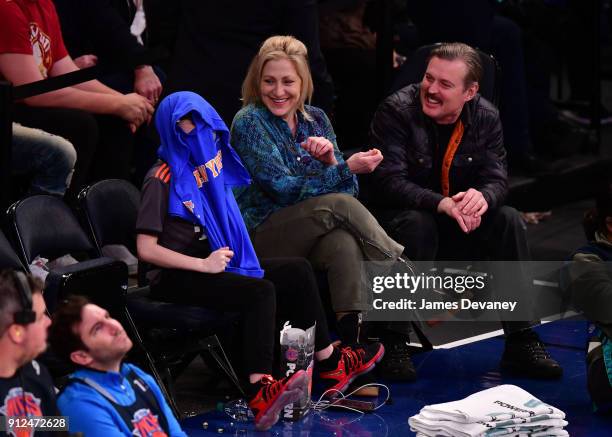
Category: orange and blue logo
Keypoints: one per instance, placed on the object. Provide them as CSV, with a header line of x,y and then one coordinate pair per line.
x,y
20,404
146,424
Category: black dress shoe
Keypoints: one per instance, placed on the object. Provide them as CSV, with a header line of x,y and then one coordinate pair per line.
x,y
396,365
526,355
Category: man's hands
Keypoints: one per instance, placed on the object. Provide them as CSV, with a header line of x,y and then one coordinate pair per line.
x,y
466,207
134,109
147,84
216,261
321,149
471,202
364,162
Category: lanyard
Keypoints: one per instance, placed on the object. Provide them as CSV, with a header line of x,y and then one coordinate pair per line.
x,y
453,144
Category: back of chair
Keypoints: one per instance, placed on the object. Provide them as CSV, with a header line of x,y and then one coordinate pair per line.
x,y
414,69
8,257
45,226
111,208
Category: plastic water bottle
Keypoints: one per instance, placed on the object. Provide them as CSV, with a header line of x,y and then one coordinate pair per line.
x,y
238,410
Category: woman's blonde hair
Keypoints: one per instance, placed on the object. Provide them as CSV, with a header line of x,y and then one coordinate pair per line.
x,y
273,49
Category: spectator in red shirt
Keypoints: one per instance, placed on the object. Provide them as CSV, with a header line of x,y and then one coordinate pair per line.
x,y
96,119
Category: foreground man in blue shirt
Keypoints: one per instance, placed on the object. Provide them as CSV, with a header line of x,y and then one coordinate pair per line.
x,y
105,397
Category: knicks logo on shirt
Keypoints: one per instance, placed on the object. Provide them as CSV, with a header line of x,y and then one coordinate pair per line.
x,y
214,166
189,205
146,424
20,404
41,48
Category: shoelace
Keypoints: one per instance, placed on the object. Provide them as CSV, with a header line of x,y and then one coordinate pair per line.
x,y
536,347
271,386
352,358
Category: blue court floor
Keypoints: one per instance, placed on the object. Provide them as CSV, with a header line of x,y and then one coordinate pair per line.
x,y
445,375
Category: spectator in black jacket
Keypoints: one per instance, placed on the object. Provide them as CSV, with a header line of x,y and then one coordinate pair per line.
x,y
112,33
442,184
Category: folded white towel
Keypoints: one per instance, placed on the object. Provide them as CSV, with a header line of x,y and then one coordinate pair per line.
x,y
496,404
548,433
488,429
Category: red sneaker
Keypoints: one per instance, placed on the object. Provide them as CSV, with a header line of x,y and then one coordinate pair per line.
x,y
269,401
354,361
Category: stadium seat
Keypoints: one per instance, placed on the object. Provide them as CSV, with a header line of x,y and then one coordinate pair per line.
x,y
174,333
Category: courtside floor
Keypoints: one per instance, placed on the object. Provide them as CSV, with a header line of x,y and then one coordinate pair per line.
x,y
445,375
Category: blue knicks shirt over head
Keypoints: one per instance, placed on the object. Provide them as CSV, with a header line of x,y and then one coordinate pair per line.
x,y
204,169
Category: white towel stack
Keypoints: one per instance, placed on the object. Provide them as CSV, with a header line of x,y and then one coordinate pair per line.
x,y
505,410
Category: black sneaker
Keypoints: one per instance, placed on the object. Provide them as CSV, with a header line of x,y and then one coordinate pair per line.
x,y
525,353
353,361
396,364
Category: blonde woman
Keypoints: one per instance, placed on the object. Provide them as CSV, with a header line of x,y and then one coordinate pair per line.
x,y
301,201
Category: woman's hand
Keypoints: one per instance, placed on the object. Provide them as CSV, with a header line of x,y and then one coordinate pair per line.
x,y
321,149
216,261
364,162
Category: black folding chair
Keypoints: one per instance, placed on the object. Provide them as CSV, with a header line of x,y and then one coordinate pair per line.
x,y
110,208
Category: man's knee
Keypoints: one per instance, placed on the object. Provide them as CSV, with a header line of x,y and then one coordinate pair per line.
x,y
509,218
411,226
62,152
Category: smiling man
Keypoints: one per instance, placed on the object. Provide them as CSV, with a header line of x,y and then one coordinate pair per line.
x,y
441,187
105,397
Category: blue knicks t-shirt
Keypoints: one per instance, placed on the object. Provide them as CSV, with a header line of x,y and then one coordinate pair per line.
x,y
204,169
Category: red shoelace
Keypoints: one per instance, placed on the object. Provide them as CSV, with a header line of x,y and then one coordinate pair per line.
x,y
352,358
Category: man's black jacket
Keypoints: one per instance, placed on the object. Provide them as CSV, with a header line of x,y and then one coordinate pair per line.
x,y
408,140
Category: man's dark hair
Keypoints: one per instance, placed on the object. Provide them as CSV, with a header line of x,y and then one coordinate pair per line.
x,y
63,337
450,51
10,300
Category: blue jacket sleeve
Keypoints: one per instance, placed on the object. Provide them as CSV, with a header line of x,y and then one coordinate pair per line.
x,y
91,415
264,161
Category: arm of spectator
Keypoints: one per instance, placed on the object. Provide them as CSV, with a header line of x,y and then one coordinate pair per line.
x,y
174,429
21,69
364,162
147,84
321,149
493,175
263,160
90,415
150,251
67,65
86,61
392,178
